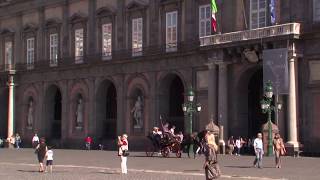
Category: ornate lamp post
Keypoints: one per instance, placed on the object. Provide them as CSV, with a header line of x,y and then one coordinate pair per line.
x,y
267,107
190,107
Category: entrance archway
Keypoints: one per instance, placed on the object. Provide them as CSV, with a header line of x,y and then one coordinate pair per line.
x,y
107,110
3,112
255,92
171,100
249,92
53,113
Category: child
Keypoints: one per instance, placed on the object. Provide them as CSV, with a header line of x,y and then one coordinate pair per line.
x,y
49,156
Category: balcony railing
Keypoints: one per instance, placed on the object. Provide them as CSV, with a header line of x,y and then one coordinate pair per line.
x,y
271,31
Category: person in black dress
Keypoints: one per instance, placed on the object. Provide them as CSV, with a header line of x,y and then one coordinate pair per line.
x,y
41,151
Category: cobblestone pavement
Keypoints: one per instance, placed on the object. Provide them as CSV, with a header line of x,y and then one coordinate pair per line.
x,y
96,165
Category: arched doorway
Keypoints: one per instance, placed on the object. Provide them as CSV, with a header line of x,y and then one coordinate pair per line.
x,y
249,117
53,114
3,112
171,100
107,110
255,93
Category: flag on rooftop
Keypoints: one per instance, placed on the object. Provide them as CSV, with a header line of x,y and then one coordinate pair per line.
x,y
214,10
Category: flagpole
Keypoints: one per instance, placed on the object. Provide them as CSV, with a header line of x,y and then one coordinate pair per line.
x,y
244,15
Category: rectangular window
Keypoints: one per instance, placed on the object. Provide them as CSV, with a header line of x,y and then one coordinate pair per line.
x,y
204,20
107,41
137,37
30,52
78,34
53,49
171,31
316,10
8,55
258,13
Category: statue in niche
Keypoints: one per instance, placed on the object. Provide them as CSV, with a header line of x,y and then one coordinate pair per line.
x,y
79,113
30,114
137,111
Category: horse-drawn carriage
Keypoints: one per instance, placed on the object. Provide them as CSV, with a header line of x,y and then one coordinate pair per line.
x,y
165,144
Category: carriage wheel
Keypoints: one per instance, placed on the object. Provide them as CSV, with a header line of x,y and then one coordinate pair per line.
x,y
165,152
149,151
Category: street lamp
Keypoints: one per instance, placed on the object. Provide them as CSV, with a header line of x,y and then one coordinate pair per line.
x,y
190,107
267,107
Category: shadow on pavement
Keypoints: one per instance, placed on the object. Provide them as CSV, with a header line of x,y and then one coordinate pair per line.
x,y
118,173
244,167
34,171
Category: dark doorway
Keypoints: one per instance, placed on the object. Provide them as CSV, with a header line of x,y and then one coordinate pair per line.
x,y
106,113
255,93
3,112
56,124
110,126
53,114
176,99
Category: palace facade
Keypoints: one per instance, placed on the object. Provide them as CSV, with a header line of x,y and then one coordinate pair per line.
x,y
73,68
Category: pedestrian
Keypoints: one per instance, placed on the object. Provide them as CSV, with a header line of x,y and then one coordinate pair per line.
x,y
123,152
212,170
279,149
231,145
41,151
11,141
18,141
88,142
258,149
35,140
1,142
49,156
238,146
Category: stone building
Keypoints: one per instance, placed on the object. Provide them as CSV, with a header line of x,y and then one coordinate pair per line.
x,y
78,67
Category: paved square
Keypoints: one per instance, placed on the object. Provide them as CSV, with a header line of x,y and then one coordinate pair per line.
x,y
96,165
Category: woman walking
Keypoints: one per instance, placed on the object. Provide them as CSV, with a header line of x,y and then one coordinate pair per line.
x,y
279,149
123,152
41,151
212,170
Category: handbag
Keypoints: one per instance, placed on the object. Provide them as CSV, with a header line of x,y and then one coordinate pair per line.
x,y
125,153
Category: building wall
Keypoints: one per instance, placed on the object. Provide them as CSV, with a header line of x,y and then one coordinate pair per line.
x,y
147,72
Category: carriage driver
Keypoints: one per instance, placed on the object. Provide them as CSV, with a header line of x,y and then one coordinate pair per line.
x,y
157,134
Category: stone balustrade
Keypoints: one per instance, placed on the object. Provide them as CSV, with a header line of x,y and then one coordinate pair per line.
x,y
265,32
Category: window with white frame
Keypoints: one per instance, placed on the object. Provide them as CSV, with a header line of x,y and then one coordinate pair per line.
x,y
30,51
316,10
8,54
171,31
137,37
258,13
204,20
78,35
53,49
107,41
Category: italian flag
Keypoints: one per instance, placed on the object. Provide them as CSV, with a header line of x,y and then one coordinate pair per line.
x,y
214,10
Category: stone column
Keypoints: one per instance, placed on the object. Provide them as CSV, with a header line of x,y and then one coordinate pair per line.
x,y
91,45
65,48
223,99
212,91
292,106
11,104
41,36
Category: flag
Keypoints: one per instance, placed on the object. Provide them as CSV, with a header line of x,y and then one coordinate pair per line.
x,y
214,10
272,12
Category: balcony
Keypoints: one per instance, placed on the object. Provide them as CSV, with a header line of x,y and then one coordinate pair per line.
x,y
266,32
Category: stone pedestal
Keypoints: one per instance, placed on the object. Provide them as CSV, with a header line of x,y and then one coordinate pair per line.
x,y
265,132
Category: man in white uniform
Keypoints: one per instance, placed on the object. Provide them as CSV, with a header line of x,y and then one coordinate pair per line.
x,y
258,149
